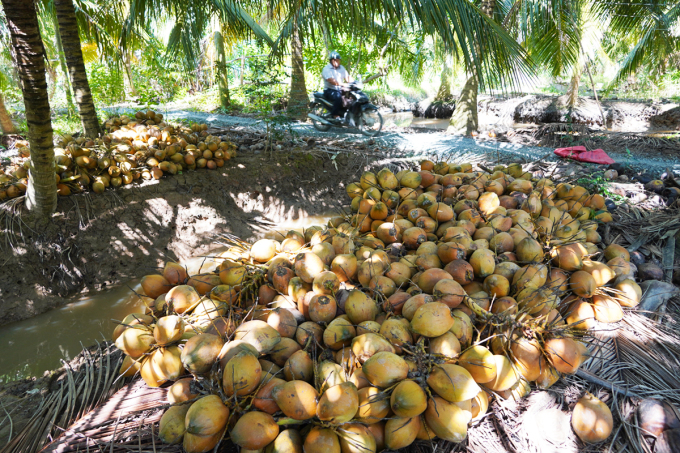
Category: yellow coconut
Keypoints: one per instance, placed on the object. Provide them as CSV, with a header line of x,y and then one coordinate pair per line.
x,y
297,399
479,362
171,428
308,266
396,331
366,345
263,250
600,272
288,441
338,404
447,420
207,416
453,382
374,405
432,320
401,432
565,354
356,438
180,391
168,329
529,250
259,334
629,294
321,440
201,352
483,262
408,399
135,341
385,369
174,273
254,430
506,375
200,444
479,405
359,307
182,298
614,250
263,399
591,419
582,284
155,285
242,374
607,309
339,334
581,315
446,345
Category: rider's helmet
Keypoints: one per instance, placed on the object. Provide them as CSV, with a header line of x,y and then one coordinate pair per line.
x,y
334,55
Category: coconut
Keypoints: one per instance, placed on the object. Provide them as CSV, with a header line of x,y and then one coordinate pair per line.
x,y
600,272
591,419
527,355
462,326
413,237
401,432
283,350
309,332
288,441
339,334
322,308
506,375
263,400
384,369
254,430
497,285
359,307
242,374
135,341
366,345
207,416
283,321
155,285
630,293
461,271
201,352
396,331
583,284
200,444
581,315
171,427
308,266
174,273
480,363
452,382
374,405
432,320
344,266
415,302
264,250
297,399
483,263
447,420
614,251
338,404
180,391
356,438
408,399
607,309
321,440
259,334
564,354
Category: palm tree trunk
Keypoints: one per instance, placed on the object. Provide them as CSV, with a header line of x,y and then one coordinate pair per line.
x,y
6,124
41,195
465,119
298,100
62,63
68,28
222,74
444,93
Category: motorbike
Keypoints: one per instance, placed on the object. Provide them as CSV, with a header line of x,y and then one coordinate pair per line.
x,y
361,113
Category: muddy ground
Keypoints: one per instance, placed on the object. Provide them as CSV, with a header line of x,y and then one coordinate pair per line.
x,y
95,241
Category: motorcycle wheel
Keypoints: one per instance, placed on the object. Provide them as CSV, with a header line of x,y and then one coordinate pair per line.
x,y
319,110
370,123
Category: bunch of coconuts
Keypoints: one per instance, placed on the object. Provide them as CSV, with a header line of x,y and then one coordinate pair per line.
x,y
447,287
143,147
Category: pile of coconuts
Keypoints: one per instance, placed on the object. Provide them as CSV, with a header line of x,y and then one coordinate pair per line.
x,y
445,288
143,147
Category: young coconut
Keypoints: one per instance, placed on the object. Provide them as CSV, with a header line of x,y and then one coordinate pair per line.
x,y
591,419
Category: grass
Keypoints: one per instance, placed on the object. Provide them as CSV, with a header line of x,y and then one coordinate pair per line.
x,y
596,183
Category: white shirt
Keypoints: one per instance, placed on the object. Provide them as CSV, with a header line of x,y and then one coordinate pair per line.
x,y
340,74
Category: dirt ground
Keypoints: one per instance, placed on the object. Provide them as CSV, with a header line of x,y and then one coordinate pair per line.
x,y
95,241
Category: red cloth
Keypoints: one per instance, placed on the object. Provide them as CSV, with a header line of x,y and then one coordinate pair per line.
x,y
580,154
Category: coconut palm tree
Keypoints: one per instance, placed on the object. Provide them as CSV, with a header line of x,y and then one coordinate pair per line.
x,y
70,41
41,194
653,24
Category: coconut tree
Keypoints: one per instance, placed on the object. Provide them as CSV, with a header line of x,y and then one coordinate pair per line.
x,y
22,20
70,41
653,25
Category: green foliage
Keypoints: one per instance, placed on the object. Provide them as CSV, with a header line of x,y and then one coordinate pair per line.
x,y
106,83
596,183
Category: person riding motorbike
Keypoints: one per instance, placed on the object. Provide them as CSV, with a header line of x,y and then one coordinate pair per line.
x,y
335,78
